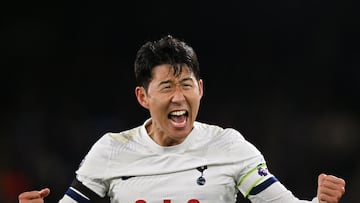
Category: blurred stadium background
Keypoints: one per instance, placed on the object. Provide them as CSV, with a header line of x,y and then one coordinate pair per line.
x,y
285,74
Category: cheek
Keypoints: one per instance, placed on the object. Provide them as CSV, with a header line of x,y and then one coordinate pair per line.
x,y
195,100
157,106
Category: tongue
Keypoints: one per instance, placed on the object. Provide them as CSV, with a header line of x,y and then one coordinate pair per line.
x,y
178,119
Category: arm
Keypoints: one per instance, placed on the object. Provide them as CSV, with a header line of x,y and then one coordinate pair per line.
x,y
34,196
78,192
330,190
258,185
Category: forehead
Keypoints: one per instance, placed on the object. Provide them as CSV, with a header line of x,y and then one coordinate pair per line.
x,y
166,72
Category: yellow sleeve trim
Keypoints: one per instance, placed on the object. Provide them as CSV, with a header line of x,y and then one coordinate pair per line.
x,y
249,173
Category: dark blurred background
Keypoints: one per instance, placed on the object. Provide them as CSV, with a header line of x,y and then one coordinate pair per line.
x,y
284,73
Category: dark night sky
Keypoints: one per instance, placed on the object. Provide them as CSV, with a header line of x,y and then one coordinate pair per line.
x,y
285,74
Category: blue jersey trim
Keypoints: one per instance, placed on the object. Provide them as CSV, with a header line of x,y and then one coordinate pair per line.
x,y
75,196
262,186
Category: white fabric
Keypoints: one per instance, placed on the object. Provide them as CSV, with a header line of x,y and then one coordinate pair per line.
x,y
277,193
253,178
170,173
67,199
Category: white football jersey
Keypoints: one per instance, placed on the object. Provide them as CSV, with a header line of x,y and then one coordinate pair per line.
x,y
210,166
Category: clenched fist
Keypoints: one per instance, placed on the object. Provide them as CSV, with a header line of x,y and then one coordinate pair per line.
x,y
330,188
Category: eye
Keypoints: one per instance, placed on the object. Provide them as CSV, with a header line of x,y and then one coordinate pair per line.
x,y
187,85
165,88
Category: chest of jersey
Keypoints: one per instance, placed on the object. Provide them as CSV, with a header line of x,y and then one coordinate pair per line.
x,y
204,184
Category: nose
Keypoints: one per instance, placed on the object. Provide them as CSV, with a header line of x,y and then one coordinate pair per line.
x,y
178,95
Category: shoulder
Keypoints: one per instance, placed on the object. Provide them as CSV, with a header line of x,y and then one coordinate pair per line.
x,y
123,137
111,139
226,139
218,131
105,150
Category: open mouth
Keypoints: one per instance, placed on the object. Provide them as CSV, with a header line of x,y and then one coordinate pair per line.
x,y
178,118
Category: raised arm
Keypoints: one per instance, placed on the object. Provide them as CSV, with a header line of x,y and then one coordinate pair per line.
x,y
330,190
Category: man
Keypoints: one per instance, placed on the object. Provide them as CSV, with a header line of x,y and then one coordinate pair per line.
x,y
172,158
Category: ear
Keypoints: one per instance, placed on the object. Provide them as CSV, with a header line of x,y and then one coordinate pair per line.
x,y
142,96
201,88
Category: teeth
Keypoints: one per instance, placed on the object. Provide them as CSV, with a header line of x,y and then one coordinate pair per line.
x,y
177,113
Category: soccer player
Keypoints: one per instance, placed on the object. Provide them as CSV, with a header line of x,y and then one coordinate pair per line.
x,y
171,157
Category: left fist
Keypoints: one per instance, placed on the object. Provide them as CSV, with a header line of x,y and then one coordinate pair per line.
x,y
330,188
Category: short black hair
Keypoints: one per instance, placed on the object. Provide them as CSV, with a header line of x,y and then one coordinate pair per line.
x,y
167,50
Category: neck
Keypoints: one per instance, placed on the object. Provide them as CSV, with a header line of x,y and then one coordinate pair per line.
x,y
159,136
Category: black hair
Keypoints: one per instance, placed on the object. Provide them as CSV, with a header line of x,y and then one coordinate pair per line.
x,y
167,50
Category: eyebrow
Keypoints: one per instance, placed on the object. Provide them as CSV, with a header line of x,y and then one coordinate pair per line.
x,y
169,81
186,79
164,82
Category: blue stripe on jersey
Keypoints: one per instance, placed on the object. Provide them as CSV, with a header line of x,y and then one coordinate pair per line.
x,y
77,197
262,186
